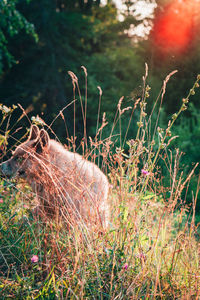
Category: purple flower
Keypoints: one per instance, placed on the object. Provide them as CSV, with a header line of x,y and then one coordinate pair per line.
x,y
34,259
145,172
125,266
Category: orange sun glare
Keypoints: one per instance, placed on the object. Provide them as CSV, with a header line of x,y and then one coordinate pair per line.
x,y
174,27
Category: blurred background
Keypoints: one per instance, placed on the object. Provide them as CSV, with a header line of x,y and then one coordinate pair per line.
x,y
40,41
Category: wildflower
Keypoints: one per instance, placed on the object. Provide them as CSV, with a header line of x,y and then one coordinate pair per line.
x,y
125,266
145,172
185,100
174,116
5,109
184,107
148,88
1,200
25,206
147,95
34,259
139,124
37,120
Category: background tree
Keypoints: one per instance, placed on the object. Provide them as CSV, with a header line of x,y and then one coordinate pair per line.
x,y
12,22
71,34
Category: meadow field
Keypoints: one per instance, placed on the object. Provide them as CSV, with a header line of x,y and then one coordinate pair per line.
x,y
150,249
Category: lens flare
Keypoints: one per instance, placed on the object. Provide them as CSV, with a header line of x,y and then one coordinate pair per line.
x,y
174,27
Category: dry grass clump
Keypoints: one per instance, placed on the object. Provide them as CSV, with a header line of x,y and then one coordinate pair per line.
x,y
151,248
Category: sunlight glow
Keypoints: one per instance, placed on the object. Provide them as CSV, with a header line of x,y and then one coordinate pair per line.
x,y
174,28
142,10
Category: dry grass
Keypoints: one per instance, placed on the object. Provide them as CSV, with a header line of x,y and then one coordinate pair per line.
x,y
150,249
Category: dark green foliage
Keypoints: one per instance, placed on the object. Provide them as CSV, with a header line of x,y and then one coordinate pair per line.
x,y
71,35
12,22
188,131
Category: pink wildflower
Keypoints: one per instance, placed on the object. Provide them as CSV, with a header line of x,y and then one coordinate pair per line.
x,y
1,200
145,172
125,266
34,259
25,206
